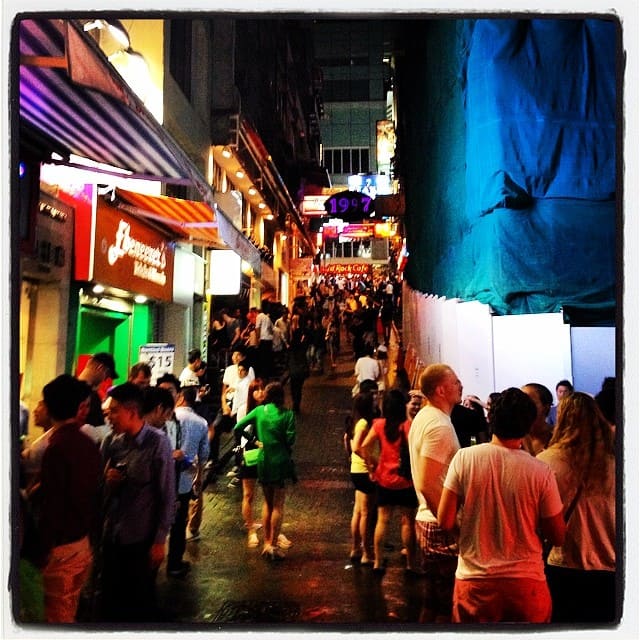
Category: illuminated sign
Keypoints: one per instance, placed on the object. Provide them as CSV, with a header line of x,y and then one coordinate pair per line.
x,y
313,206
149,261
130,255
349,203
385,142
346,269
225,270
329,232
371,184
357,231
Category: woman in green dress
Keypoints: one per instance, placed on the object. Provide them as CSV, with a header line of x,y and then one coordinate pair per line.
x,y
275,433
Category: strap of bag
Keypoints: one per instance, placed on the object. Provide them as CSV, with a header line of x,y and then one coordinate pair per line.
x,y
546,547
574,502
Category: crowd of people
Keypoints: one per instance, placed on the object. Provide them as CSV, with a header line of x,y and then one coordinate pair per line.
x,y
503,531
520,527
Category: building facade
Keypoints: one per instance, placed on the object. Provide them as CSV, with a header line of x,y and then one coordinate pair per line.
x,y
140,169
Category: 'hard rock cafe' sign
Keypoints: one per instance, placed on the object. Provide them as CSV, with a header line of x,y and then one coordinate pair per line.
x,y
132,256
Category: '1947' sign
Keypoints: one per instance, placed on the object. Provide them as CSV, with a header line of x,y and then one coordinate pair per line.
x,y
349,204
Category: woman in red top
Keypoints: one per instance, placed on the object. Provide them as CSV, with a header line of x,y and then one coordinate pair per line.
x,y
393,489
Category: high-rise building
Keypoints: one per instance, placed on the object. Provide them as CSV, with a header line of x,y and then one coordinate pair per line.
x,y
354,58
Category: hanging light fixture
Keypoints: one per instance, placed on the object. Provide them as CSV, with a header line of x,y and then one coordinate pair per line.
x,y
115,28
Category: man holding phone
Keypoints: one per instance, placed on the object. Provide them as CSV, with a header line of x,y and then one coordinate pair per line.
x,y
139,498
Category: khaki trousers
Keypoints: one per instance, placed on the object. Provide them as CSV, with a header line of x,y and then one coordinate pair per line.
x,y
64,575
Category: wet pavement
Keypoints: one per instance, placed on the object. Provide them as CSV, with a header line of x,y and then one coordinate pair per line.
x,y
231,586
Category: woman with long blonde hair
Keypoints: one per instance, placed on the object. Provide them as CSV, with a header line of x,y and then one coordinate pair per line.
x,y
581,572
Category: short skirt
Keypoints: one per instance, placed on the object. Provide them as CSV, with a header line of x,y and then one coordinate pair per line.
x,y
246,472
397,497
362,482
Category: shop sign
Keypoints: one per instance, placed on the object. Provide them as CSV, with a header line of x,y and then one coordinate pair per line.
x,y
357,231
160,356
349,204
300,268
132,256
329,232
53,242
354,269
313,205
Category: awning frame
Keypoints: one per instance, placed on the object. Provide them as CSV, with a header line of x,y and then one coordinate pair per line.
x,y
104,105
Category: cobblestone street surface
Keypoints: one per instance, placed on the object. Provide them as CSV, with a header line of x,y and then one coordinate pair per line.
x,y
231,585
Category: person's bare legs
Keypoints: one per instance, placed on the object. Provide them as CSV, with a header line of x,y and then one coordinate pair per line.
x,y
248,493
408,535
356,521
267,508
272,512
384,513
366,513
277,513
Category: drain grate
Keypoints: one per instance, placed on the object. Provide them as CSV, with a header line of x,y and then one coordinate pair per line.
x,y
249,611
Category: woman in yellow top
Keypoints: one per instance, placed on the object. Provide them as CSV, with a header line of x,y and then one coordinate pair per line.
x,y
364,505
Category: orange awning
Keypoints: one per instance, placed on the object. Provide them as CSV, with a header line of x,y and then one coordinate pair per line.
x,y
190,220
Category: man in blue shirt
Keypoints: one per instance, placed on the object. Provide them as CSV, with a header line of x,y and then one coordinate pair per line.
x,y
191,455
139,498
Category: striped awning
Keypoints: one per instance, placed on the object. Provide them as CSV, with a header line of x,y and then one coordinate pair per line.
x,y
189,220
71,95
69,92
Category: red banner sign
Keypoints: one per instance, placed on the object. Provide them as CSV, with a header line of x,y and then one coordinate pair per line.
x,y
131,256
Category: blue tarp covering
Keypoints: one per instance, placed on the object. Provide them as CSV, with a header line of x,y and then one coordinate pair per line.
x,y
529,217
540,112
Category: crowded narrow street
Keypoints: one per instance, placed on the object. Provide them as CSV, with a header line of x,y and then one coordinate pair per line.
x,y
230,584
272,277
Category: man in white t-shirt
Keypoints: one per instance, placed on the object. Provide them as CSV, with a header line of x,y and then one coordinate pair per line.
x,y
225,419
193,374
367,367
508,498
432,444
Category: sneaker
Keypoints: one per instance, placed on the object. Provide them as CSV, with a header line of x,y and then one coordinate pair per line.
x,y
235,482
253,541
193,536
180,570
284,542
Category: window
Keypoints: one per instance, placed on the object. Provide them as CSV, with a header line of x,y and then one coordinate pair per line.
x,y
347,160
180,57
346,90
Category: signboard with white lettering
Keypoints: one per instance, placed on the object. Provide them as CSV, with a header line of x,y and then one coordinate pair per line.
x,y
130,255
159,356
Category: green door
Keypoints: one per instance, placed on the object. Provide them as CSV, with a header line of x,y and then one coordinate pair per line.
x,y
101,330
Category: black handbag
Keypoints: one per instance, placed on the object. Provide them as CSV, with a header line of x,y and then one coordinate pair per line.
x,y
404,468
